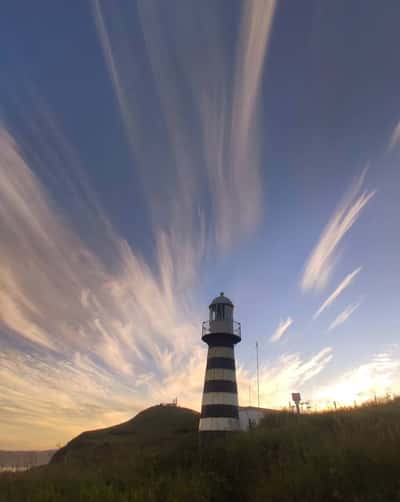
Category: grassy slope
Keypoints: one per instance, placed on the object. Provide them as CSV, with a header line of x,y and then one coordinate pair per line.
x,y
348,455
156,428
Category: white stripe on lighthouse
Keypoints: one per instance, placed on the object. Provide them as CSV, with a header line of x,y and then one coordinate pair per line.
x,y
219,424
220,398
221,352
220,374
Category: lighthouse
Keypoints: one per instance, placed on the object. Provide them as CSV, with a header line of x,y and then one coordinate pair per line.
x,y
219,410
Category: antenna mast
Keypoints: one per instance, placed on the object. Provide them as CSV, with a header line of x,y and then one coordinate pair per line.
x,y
258,378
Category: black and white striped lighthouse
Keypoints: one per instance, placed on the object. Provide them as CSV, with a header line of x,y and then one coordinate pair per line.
x,y
219,410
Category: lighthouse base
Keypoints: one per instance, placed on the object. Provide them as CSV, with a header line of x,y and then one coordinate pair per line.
x,y
213,430
212,439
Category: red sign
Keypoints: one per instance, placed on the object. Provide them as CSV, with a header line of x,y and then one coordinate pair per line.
x,y
296,397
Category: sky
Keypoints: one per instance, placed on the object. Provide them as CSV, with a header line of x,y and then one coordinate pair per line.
x,y
153,154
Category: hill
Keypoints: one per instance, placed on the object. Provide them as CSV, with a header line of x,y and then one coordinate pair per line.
x,y
344,455
159,427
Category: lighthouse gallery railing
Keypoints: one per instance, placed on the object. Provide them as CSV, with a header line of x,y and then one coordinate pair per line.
x,y
221,326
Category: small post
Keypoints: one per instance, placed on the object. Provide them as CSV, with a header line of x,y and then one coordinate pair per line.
x,y
296,397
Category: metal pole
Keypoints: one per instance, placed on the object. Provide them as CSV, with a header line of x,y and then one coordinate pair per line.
x,y
258,377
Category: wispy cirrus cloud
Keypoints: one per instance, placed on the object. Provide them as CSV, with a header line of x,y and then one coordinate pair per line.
x,y
54,282
279,379
60,397
76,299
206,126
69,320
395,137
320,264
281,329
332,297
343,316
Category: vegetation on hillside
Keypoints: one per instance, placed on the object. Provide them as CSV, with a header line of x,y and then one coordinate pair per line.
x,y
163,428
344,455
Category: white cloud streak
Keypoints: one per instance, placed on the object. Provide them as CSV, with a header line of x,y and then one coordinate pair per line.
x,y
342,286
60,398
59,300
319,266
278,380
343,316
206,123
47,271
281,329
395,137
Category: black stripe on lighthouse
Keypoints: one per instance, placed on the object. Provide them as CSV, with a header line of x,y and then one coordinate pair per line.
x,y
221,362
219,410
220,386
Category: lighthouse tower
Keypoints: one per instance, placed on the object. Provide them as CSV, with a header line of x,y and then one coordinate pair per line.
x,y
219,410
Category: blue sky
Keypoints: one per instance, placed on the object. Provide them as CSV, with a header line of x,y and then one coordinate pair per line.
x,y
154,154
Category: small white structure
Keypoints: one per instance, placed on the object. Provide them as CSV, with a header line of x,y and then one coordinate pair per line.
x,y
250,416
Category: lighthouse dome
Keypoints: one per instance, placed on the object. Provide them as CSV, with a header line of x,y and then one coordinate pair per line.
x,y
221,299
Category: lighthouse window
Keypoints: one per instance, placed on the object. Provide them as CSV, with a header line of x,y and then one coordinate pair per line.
x,y
220,311
213,313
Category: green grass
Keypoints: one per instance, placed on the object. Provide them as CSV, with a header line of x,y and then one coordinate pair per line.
x,y
347,455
